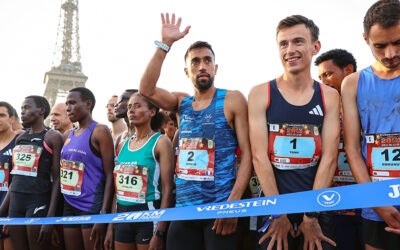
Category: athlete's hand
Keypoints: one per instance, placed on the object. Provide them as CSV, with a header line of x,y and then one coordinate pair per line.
x,y
170,30
156,243
98,234
278,231
390,215
5,229
109,241
225,226
55,237
312,234
45,234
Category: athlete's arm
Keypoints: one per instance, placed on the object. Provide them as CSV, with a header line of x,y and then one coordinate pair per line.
x,y
330,142
258,101
236,104
169,34
55,141
235,109
352,128
165,157
103,143
330,139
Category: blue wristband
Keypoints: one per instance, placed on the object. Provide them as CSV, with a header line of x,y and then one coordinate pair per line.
x,y
266,225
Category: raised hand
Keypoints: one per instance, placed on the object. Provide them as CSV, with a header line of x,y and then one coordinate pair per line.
x,y
170,30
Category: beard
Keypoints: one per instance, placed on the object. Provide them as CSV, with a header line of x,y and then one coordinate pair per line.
x,y
385,62
204,85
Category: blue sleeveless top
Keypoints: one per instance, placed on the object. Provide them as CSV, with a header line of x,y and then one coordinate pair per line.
x,y
208,123
279,111
378,102
79,149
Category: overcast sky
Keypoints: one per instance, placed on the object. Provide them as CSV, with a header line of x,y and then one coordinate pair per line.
x,y
117,41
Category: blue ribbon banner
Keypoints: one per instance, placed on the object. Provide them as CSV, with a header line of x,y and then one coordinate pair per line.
x,y
376,194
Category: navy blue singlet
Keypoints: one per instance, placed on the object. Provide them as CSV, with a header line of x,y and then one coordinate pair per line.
x,y
306,119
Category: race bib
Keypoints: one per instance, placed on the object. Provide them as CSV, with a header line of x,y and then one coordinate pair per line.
x,y
131,182
253,186
26,160
343,172
196,159
294,146
4,176
71,177
383,156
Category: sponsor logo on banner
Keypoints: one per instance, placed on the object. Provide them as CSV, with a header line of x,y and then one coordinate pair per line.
x,y
147,215
74,219
5,219
396,192
31,220
227,208
328,198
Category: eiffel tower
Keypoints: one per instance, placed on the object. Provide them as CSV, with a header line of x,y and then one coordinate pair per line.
x,y
66,72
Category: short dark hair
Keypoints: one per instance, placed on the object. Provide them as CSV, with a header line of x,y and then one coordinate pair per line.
x,y
340,58
41,102
293,20
386,13
10,110
198,45
86,95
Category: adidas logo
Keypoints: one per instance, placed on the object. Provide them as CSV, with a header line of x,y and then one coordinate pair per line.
x,y
8,152
316,111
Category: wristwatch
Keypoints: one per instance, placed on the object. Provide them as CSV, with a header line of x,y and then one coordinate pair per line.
x,y
312,214
160,233
162,46
102,212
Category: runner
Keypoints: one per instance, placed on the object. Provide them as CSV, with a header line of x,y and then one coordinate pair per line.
x,y
147,155
87,162
121,110
7,143
371,104
36,157
333,66
59,118
294,134
212,124
117,124
170,124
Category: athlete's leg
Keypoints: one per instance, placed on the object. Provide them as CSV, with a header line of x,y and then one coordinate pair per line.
x,y
73,238
33,235
184,235
213,241
89,244
124,246
7,244
18,237
368,247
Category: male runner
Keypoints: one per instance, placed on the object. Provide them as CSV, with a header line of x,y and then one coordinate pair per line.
x,y
213,121
117,124
294,134
371,104
7,143
333,66
36,158
121,111
87,163
59,118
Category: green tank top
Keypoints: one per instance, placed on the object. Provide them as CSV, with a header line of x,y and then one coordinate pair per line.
x,y
131,188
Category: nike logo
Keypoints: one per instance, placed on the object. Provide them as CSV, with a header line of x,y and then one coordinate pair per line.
x,y
35,139
146,239
328,198
316,111
39,208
